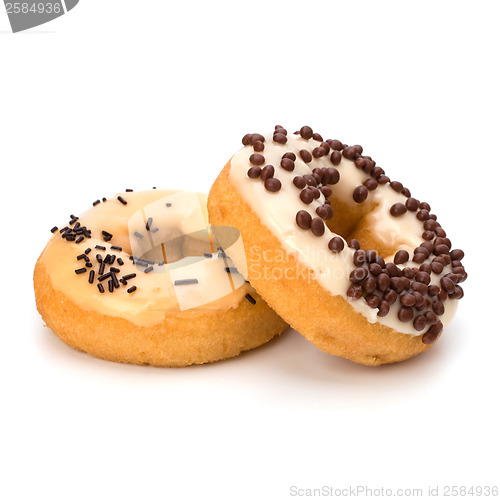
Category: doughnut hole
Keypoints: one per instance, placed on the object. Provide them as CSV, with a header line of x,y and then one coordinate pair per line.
x,y
169,251
368,239
196,244
352,221
178,248
162,253
346,217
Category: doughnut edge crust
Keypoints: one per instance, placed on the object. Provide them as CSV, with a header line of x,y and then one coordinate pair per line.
x,y
176,342
326,320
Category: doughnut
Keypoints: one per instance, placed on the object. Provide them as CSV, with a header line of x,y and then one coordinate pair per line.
x,y
346,256
140,278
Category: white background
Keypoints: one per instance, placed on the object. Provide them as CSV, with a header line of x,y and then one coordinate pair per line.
x,y
119,94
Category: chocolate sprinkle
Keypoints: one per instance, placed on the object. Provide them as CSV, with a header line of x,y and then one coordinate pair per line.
x,y
254,172
350,152
319,152
336,157
303,219
305,155
383,308
358,275
257,159
398,209
419,323
412,204
250,139
355,292
287,164
280,138
250,299
273,185
114,279
336,244
306,132
405,314
370,184
335,144
104,276
267,172
333,175
431,335
299,182
258,146
106,236
401,257
372,300
457,254
360,194
101,268
317,226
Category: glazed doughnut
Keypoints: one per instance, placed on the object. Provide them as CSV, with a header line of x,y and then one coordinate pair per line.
x,y
343,254
139,278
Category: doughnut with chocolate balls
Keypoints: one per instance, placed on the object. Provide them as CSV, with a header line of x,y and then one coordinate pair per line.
x,y
138,278
346,256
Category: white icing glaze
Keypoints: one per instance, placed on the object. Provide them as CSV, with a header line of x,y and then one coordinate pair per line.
x,y
156,294
278,210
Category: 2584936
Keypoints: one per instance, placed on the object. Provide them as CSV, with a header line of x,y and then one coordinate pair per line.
x,y
35,8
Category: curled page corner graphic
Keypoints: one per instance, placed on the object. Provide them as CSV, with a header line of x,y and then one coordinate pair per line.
x,y
70,4
30,13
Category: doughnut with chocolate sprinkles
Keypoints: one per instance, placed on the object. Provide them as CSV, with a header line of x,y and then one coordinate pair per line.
x,y
350,258
167,298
